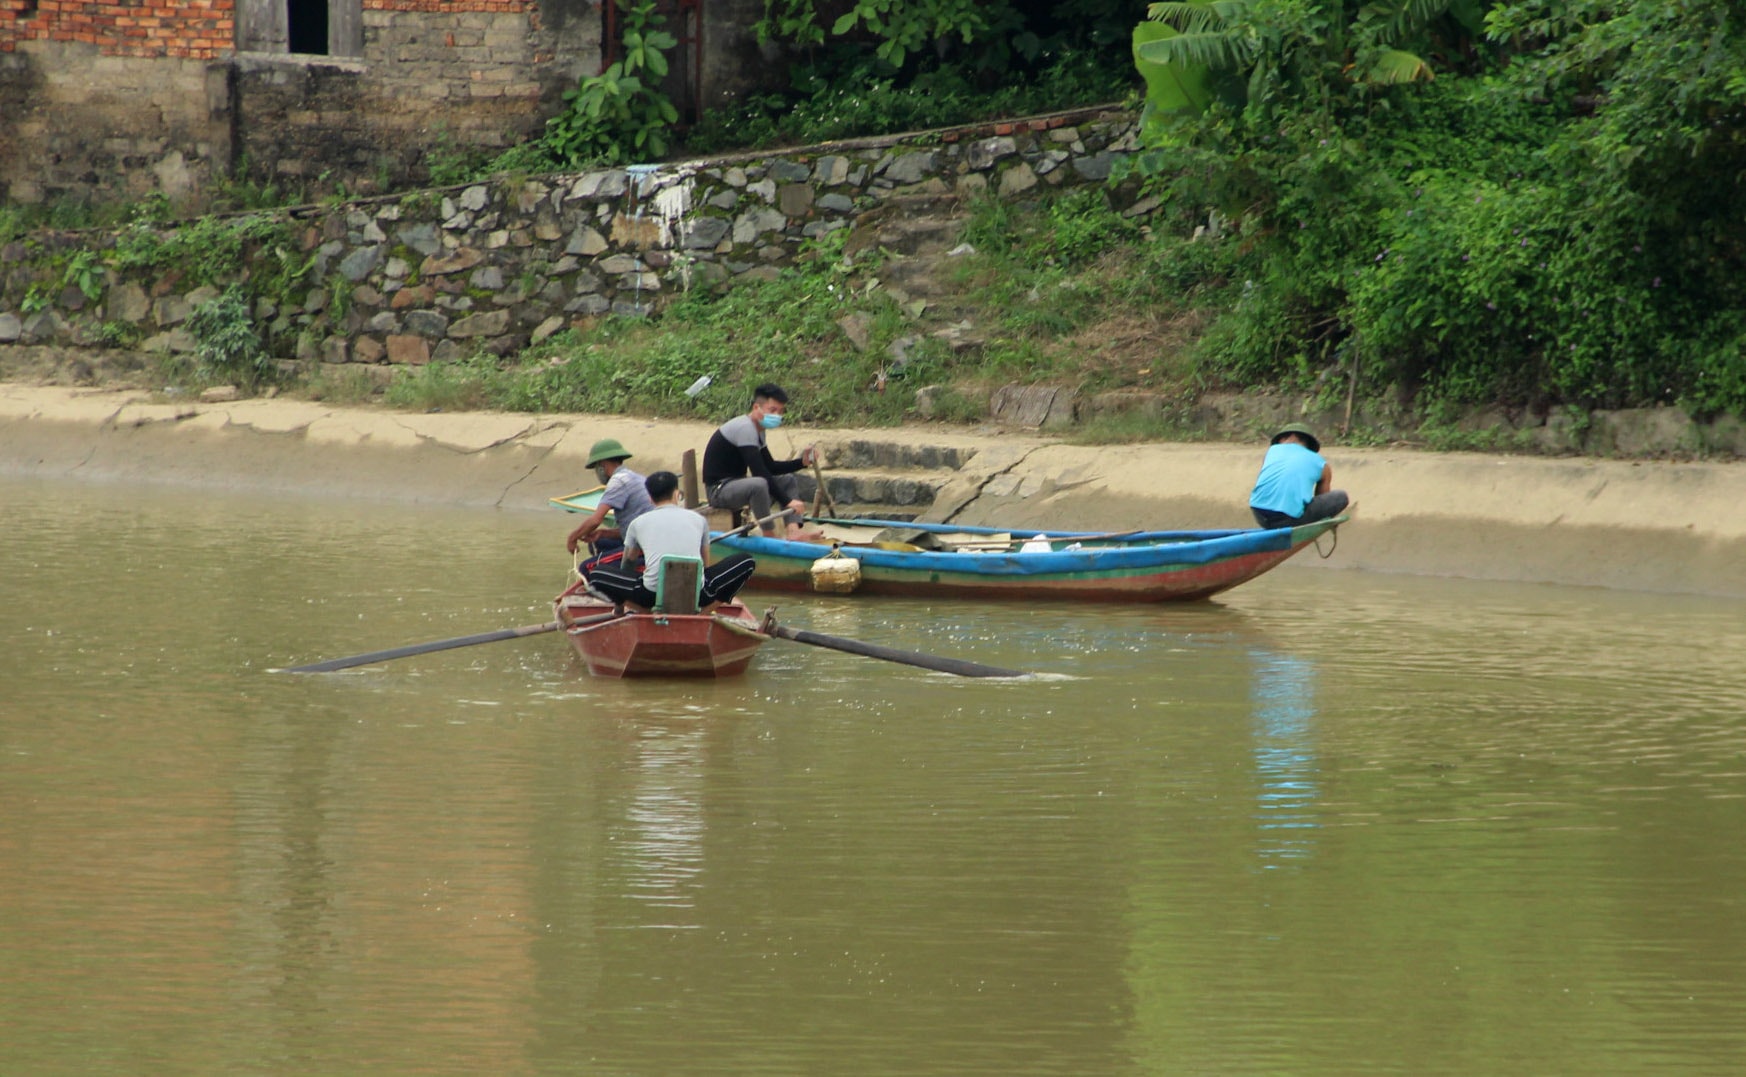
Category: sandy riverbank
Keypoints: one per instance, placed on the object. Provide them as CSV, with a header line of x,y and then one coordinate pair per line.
x,y
1634,524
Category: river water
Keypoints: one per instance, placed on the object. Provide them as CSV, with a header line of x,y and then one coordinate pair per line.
x,y
1332,823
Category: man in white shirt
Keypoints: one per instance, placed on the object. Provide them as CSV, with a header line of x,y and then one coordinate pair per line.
x,y
669,529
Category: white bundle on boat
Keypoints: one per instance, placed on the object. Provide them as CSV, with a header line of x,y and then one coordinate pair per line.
x,y
835,574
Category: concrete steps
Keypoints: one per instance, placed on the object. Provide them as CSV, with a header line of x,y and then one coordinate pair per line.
x,y
872,476
881,488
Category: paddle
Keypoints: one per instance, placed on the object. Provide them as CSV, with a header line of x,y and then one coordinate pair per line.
x,y
748,525
956,666
438,645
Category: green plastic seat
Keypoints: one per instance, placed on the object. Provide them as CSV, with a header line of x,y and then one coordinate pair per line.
x,y
679,585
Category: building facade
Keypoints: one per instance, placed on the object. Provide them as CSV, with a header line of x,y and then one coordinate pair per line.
x,y
112,100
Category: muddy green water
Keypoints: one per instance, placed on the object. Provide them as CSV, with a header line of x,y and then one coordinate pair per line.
x,y
1334,823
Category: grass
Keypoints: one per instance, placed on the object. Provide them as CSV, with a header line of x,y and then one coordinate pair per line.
x,y
1061,290
1066,293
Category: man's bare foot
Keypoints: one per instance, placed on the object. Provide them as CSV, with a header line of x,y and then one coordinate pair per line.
x,y
801,534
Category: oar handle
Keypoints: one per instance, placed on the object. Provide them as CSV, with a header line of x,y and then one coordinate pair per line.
x,y
747,526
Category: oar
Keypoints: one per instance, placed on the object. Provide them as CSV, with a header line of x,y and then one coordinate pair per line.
x,y
439,645
745,527
957,666
823,498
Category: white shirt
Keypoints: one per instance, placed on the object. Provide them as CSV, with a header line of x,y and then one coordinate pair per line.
x,y
667,529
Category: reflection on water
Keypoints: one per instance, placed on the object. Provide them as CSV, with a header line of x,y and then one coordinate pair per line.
x,y
660,848
1284,689
1331,824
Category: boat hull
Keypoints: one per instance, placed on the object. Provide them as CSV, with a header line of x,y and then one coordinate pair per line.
x,y
716,644
1145,567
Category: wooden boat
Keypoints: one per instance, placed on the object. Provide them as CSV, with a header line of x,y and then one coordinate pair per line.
x,y
899,558
661,644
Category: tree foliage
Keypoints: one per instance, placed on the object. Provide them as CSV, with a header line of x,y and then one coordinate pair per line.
x,y
1523,202
620,114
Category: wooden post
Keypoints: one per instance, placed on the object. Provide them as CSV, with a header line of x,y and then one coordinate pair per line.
x,y
688,480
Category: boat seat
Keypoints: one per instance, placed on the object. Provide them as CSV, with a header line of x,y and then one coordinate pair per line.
x,y
679,587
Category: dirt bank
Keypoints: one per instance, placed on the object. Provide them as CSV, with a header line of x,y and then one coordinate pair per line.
x,y
1642,525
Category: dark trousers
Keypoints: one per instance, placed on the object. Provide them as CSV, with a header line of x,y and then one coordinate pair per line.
x,y
753,494
721,581
607,553
1320,507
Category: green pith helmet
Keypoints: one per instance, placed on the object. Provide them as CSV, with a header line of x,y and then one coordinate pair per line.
x,y
1302,431
606,449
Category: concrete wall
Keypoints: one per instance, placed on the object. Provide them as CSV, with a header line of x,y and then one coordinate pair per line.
x,y
75,121
108,107
733,64
453,78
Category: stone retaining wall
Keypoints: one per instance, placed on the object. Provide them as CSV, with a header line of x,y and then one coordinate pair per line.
x,y
496,266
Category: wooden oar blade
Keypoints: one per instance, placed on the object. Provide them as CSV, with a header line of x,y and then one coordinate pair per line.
x,y
408,651
956,666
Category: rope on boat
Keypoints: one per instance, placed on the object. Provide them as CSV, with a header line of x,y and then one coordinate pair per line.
x,y
1334,531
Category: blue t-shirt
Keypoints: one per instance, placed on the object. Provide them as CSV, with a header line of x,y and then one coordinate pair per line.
x,y
1289,473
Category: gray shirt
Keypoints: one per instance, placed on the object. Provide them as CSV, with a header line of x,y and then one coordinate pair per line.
x,y
665,531
626,496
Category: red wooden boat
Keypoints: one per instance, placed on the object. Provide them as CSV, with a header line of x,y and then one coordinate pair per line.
x,y
719,643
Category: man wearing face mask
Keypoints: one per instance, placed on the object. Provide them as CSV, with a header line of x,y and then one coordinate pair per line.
x,y
625,497
739,473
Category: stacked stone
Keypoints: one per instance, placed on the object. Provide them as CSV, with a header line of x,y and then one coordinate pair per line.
x,y
494,267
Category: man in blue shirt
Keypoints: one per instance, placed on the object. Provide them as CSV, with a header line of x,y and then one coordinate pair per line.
x,y
1295,484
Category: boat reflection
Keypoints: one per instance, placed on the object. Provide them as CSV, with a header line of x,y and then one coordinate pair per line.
x,y
658,847
1282,695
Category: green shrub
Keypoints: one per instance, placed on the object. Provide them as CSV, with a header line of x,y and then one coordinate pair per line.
x,y
846,92
228,347
346,385
620,114
115,334
213,250
447,386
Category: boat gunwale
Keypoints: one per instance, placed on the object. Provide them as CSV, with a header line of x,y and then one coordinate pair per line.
x,y
1138,552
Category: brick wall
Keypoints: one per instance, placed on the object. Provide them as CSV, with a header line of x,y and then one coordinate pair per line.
x,y
184,29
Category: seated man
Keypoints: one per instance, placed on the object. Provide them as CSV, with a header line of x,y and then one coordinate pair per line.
x,y
739,473
1294,486
624,497
668,529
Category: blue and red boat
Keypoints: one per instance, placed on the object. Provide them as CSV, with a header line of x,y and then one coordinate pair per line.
x,y
892,557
